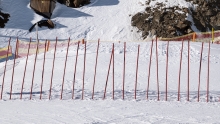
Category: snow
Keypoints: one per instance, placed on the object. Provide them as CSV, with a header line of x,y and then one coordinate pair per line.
x,y
190,18
108,111
109,21
90,22
171,3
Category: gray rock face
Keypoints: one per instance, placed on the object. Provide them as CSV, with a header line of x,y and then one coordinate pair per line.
x,y
167,22
74,3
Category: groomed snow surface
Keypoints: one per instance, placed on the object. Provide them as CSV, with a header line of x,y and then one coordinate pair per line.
x,y
129,110
110,21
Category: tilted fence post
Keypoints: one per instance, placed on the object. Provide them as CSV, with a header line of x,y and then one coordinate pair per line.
x,y
84,67
3,79
74,77
208,74
149,68
42,81
51,81
32,84
108,72
200,66
180,69
97,52
167,69
123,88
12,78
64,71
136,79
25,68
158,88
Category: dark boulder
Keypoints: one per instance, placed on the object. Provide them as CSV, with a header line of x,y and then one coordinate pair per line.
x,y
74,3
4,18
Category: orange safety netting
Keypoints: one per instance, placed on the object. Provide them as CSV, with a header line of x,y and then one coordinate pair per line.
x,y
197,37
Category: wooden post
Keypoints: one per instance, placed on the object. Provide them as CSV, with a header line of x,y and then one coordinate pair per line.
x,y
32,84
108,73
83,41
158,88
51,81
84,67
96,61
12,78
200,66
149,72
25,68
208,74
167,69
212,35
194,37
48,45
17,49
64,71
123,88
181,56
74,77
136,79
3,80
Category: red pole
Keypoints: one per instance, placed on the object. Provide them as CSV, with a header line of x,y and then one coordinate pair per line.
x,y
148,83
17,50
167,69
25,69
5,67
188,70
158,90
34,70
181,56
200,66
108,73
113,73
97,52
84,67
12,78
75,69
136,73
41,88
48,45
51,81
208,74
64,72
123,89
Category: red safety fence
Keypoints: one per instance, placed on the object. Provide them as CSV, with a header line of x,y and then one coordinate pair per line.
x,y
5,52
197,37
23,45
43,47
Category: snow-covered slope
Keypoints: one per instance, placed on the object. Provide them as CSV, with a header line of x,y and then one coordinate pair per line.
x,y
110,21
98,110
104,19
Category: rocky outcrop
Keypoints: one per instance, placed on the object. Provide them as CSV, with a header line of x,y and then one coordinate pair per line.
x,y
78,3
74,3
175,21
4,17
